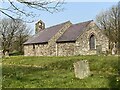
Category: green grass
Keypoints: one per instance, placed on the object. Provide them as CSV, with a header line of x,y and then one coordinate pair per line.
x,y
58,72
0,73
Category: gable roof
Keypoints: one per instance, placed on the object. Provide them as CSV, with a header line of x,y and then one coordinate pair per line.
x,y
73,32
45,35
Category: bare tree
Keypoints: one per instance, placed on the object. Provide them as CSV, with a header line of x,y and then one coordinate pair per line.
x,y
15,31
119,27
21,36
108,21
9,30
28,8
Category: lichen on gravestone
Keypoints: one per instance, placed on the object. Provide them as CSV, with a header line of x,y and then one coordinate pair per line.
x,y
81,69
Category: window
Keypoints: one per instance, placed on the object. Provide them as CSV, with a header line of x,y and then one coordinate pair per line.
x,y
92,42
33,46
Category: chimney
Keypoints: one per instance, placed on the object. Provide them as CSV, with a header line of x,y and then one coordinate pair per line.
x,y
39,26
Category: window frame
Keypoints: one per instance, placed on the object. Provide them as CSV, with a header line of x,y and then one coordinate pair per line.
x,y
91,47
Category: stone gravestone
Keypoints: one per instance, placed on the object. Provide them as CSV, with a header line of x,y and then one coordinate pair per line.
x,y
0,53
81,69
99,49
6,54
114,50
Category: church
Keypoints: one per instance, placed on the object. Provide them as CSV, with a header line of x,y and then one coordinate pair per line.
x,y
66,39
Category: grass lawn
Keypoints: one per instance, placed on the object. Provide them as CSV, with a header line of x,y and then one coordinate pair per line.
x,y
58,72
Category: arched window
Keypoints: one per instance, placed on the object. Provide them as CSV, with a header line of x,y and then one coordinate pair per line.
x,y
92,42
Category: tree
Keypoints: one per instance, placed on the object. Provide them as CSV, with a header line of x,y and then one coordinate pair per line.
x,y
108,21
21,36
11,31
27,8
119,27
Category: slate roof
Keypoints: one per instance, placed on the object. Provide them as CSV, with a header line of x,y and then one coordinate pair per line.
x,y
45,35
71,34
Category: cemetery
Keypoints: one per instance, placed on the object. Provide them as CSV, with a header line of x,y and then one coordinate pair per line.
x,y
61,72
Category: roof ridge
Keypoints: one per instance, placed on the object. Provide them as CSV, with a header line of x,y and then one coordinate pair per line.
x,y
51,27
77,29
57,24
83,22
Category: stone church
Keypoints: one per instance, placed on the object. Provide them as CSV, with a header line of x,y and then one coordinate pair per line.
x,y
66,39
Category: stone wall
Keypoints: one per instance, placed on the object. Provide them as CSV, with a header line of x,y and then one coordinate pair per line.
x,y
52,46
46,49
41,50
36,50
65,49
82,43
28,50
80,47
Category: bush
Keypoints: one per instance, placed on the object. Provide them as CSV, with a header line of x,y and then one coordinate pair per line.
x,y
15,53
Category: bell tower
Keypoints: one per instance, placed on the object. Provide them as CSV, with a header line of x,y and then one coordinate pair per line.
x,y
39,26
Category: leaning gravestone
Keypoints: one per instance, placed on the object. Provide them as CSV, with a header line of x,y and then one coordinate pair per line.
x,y
81,69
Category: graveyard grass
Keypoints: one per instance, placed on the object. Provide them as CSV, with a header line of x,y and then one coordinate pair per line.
x,y
58,72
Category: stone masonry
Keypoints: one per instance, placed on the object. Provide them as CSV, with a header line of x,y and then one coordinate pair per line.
x,y
79,47
48,49
82,43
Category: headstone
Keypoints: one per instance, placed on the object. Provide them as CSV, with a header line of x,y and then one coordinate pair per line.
x,y
114,50
99,49
0,53
6,54
81,69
